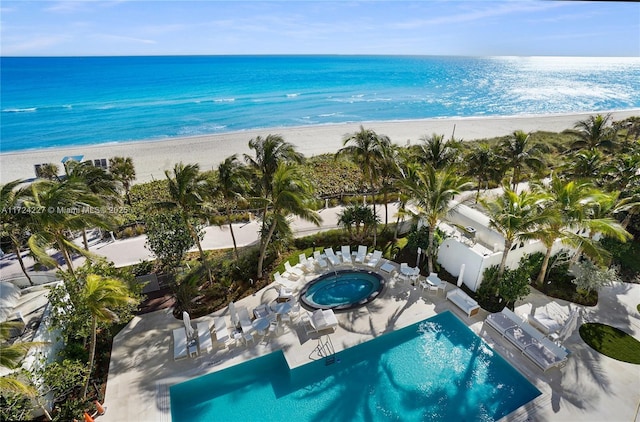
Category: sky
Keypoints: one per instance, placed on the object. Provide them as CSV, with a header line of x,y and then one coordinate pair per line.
x,y
428,27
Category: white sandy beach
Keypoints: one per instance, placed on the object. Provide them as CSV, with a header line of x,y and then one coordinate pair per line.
x,y
152,158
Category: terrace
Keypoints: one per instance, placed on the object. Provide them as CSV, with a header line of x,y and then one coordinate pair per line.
x,y
590,387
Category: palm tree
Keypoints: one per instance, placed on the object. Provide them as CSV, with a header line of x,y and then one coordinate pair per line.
x,y
432,192
290,194
48,171
11,356
230,184
482,162
367,149
595,132
14,222
566,207
519,154
270,153
63,208
123,170
100,183
515,216
186,187
389,173
585,165
437,152
101,296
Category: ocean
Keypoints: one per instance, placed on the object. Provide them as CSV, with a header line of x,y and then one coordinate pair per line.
x,y
67,101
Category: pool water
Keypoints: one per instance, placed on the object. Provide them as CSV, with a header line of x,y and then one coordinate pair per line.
x,y
436,370
345,289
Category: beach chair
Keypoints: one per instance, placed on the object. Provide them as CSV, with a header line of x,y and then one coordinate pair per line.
x,y
222,334
346,255
294,273
331,256
261,311
361,254
503,321
245,321
179,343
307,264
204,337
375,259
320,261
321,320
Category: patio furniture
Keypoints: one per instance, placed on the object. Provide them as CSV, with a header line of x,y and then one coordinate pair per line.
x,y
321,320
220,327
375,259
204,337
503,320
463,301
361,254
346,255
306,263
331,256
320,261
179,343
388,267
293,273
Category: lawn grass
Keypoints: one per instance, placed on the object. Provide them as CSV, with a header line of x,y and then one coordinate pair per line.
x,y
611,342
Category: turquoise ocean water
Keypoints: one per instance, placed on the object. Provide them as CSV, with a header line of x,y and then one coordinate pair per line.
x,y
53,102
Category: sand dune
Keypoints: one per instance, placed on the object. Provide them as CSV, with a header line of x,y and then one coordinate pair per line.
x,y
152,158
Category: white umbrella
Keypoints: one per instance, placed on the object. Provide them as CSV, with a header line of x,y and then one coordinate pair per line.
x,y
187,323
233,314
461,275
418,260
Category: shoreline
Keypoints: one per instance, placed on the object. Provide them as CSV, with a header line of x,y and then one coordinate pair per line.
x,y
210,150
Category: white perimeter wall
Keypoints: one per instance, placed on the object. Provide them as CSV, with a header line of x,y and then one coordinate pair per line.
x,y
452,254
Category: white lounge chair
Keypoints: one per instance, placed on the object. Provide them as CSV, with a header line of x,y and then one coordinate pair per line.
x,y
544,323
546,354
322,263
307,264
284,294
245,321
179,343
204,337
222,334
459,298
375,259
331,256
360,256
320,320
284,282
261,311
346,255
293,273
503,321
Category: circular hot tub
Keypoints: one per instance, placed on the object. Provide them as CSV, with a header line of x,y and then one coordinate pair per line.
x,y
341,290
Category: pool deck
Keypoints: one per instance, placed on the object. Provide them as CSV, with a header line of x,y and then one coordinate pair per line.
x,y
591,387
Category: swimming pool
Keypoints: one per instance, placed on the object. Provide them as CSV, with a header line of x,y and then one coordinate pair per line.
x,y
341,290
436,370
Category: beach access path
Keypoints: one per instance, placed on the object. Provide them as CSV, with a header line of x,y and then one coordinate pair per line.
x,y
153,157
124,252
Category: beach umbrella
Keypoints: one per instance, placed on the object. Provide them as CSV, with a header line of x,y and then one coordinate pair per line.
x,y
461,275
418,260
187,323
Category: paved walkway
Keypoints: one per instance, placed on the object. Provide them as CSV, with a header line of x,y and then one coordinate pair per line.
x,y
133,250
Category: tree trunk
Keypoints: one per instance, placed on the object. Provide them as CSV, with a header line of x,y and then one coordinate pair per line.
x,y
92,355
67,257
263,248
516,176
430,249
543,269
84,240
503,262
202,256
233,236
16,248
386,210
478,190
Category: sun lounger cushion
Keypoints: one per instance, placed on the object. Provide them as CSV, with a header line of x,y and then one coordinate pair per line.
x,y
179,343
544,323
546,354
502,321
204,337
463,301
222,333
387,267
